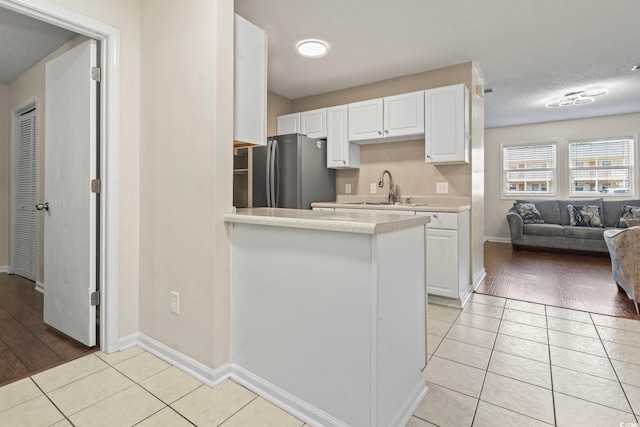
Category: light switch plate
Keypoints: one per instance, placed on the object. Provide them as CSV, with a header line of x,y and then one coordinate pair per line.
x,y
373,188
442,187
347,188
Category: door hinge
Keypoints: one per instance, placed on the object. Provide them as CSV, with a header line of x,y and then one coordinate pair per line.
x,y
95,186
96,73
95,298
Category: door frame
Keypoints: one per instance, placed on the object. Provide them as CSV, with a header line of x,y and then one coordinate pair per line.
x,y
16,111
109,151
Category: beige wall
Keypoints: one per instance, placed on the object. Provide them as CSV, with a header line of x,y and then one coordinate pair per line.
x,y
404,159
5,163
124,15
276,106
186,174
497,207
28,84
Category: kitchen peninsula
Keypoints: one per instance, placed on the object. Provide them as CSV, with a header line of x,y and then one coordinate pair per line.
x,y
328,313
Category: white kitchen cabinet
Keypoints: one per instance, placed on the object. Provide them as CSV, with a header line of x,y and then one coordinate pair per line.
x,y
447,124
387,119
288,123
323,209
314,123
311,123
448,258
250,84
341,154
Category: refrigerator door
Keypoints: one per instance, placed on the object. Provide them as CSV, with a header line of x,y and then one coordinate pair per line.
x,y
287,176
317,182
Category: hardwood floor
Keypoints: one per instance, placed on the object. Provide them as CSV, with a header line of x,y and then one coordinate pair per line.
x,y
27,344
569,280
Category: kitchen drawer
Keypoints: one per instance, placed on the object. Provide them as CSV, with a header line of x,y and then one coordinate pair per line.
x,y
442,220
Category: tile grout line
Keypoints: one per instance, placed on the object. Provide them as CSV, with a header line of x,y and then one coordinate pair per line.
x,y
52,402
553,392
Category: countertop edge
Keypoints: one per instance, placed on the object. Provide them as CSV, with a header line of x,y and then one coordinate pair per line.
x,y
419,208
341,225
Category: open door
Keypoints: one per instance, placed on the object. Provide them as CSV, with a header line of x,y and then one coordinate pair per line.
x,y
70,207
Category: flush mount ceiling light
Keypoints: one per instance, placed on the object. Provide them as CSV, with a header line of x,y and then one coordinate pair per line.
x,y
312,48
576,98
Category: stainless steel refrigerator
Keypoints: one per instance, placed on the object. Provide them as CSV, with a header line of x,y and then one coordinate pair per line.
x,y
291,172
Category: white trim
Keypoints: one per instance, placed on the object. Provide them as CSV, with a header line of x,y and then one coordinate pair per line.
x,y
479,278
209,376
39,287
4,269
497,239
109,38
16,111
128,341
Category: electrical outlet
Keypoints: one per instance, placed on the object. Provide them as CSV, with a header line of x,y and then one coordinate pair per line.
x,y
347,188
175,302
442,187
373,188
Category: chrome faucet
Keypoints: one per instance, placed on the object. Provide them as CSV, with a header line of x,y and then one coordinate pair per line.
x,y
392,189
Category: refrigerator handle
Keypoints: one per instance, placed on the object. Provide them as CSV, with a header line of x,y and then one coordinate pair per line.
x,y
274,189
267,183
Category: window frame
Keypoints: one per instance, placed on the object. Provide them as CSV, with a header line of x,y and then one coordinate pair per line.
x,y
503,188
631,168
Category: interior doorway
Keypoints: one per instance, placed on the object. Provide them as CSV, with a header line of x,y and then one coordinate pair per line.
x,y
108,131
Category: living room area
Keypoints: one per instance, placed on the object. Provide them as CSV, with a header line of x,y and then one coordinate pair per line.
x,y
565,164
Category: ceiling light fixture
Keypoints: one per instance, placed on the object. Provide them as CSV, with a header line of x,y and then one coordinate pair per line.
x,y
576,98
312,48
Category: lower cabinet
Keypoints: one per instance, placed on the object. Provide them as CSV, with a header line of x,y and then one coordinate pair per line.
x,y
448,258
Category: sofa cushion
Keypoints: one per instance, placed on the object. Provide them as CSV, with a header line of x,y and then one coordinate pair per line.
x,y
593,233
611,210
549,210
544,230
628,212
529,213
584,216
564,211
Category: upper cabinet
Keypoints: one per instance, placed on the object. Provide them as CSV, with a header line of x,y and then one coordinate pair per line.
x,y
250,84
387,119
341,154
310,123
447,124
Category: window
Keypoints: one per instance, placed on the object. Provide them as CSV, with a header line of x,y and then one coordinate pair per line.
x,y
529,169
602,166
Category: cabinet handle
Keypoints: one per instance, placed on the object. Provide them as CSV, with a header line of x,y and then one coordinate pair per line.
x,y
435,215
428,156
386,131
379,133
344,162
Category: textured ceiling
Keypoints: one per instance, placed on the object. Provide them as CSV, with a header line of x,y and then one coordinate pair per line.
x,y
528,51
24,42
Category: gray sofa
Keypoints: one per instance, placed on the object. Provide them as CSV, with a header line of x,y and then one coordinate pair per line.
x,y
557,233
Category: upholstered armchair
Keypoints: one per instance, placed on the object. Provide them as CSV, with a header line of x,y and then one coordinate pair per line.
x,y
624,248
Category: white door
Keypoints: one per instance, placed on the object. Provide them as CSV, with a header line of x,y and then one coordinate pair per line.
x,y
26,231
70,165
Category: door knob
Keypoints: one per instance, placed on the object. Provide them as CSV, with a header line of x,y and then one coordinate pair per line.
x,y
42,206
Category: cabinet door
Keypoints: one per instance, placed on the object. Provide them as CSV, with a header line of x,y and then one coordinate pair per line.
x,y
365,120
314,123
404,114
250,83
341,154
442,262
289,123
447,124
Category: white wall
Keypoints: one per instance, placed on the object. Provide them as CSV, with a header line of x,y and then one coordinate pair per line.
x,y
496,207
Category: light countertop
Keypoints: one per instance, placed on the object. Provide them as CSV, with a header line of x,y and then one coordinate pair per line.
x,y
417,203
347,222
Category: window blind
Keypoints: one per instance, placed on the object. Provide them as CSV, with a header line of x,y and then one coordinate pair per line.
x,y
602,166
529,169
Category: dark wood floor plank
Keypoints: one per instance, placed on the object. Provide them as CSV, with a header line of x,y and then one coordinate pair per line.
x,y
21,311
569,280
11,368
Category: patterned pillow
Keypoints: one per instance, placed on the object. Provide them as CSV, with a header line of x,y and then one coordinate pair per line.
x,y
529,213
584,216
628,212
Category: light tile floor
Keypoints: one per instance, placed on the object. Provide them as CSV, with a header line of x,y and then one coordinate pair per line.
x,y
497,362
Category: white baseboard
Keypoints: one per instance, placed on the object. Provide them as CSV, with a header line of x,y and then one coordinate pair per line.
x,y
479,278
497,239
4,268
39,287
282,399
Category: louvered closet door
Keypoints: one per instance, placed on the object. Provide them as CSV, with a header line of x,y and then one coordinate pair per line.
x,y
26,240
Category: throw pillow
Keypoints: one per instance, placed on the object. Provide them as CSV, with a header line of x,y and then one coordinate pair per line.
x,y
628,212
584,216
529,213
